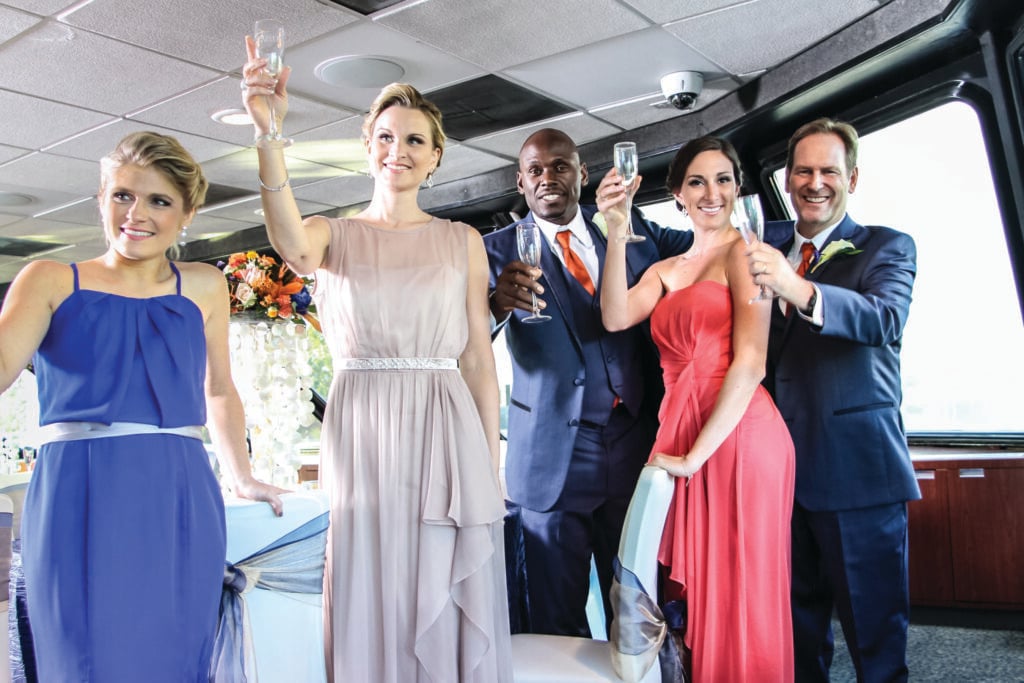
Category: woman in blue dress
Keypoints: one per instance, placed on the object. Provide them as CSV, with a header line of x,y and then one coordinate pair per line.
x,y
123,526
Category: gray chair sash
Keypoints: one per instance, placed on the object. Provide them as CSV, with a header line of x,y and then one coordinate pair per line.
x,y
293,563
638,629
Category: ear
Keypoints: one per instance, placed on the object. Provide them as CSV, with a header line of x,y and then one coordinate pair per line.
x,y
519,182
188,219
584,175
853,180
786,186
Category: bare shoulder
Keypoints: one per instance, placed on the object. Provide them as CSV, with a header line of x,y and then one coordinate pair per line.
x,y
201,274
46,280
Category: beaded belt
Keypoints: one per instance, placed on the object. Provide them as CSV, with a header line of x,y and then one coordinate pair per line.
x,y
396,364
75,431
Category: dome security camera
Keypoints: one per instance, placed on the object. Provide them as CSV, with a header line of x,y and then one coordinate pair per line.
x,y
681,88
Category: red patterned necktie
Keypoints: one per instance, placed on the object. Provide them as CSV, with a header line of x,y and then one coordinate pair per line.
x,y
573,262
806,254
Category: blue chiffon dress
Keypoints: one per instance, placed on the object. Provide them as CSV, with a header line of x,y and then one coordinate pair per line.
x,y
123,537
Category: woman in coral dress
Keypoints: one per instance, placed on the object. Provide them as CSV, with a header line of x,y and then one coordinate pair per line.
x,y
727,537
414,588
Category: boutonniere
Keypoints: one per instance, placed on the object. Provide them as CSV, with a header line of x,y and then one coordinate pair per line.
x,y
837,248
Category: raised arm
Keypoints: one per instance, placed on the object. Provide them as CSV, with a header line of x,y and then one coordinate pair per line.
x,y
225,415
477,360
27,310
301,244
622,306
750,323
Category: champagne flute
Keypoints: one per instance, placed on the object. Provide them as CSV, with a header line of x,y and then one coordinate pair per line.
x,y
530,241
748,217
627,164
269,37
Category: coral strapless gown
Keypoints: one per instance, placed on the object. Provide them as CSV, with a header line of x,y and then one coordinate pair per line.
x,y
727,536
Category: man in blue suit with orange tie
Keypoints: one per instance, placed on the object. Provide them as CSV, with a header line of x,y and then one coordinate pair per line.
x,y
834,371
583,409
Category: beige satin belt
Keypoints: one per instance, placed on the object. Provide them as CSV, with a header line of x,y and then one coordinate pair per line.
x,y
76,431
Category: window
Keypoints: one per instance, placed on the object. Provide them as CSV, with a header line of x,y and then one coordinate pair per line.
x,y
929,176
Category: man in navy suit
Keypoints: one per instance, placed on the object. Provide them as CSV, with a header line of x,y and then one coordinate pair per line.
x,y
582,414
834,371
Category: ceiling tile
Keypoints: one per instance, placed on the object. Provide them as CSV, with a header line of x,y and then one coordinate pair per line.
x,y
581,128
460,161
41,170
66,71
246,211
218,39
191,112
42,7
13,22
496,34
643,111
96,144
488,104
425,67
608,71
8,153
366,6
340,191
47,120
663,11
713,34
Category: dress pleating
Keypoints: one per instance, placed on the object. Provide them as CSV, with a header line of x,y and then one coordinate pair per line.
x,y
123,538
415,583
727,537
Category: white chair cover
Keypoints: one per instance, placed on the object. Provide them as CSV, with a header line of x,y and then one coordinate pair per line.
x,y
285,628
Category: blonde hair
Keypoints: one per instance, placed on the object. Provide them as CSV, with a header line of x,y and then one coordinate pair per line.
x,y
404,95
164,153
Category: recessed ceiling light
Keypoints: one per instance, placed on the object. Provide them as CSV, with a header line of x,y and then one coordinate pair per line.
x,y
355,71
232,117
15,199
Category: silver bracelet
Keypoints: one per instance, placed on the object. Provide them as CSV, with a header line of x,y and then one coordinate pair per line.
x,y
268,188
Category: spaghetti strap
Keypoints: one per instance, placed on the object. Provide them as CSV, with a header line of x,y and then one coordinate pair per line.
x,y
177,276
74,269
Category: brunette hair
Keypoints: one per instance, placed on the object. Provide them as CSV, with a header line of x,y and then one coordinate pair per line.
x,y
845,132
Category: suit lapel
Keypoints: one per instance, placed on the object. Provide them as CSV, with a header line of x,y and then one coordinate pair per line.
x,y
557,288
846,230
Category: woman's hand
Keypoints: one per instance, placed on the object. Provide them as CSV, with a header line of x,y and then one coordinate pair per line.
x,y
258,85
254,489
677,466
612,198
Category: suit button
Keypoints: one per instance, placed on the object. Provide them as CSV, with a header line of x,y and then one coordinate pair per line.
x,y
578,382
574,422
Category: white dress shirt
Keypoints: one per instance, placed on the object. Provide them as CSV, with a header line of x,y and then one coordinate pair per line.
x,y
816,317
582,242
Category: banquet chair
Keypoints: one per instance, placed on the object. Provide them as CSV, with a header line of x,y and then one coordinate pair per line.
x,y
6,552
285,624
565,659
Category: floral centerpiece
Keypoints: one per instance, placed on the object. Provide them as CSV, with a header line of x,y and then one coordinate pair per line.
x,y
258,283
270,308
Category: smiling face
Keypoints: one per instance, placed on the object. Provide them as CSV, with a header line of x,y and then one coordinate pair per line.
x,y
401,150
708,190
819,182
550,176
143,212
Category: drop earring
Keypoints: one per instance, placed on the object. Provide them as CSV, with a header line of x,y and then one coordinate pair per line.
x,y
430,180
183,235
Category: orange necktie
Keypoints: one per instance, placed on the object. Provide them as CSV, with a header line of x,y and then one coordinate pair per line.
x,y
806,254
573,262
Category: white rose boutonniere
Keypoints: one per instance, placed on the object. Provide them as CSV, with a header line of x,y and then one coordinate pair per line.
x,y
833,249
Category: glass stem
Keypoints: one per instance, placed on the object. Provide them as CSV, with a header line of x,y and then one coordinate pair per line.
x,y
272,134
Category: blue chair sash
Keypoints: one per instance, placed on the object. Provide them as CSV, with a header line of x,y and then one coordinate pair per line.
x,y
293,563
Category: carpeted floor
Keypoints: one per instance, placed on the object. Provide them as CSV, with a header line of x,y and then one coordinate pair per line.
x,y
938,649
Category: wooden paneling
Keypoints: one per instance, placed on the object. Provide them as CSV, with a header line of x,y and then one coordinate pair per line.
x,y
966,534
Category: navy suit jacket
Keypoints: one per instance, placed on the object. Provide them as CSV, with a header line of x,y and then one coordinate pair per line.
x,y
548,372
838,386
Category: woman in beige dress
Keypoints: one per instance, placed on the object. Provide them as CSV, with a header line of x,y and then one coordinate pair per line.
x,y
415,586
